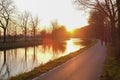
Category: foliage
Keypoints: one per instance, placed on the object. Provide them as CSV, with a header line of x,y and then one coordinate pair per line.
x,y
100,25
85,32
104,7
60,33
111,70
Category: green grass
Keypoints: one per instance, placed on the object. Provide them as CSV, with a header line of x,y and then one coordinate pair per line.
x,y
52,64
111,70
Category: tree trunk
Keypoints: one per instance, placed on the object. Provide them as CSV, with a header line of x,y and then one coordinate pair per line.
x,y
25,34
118,6
4,57
15,37
34,34
113,31
4,40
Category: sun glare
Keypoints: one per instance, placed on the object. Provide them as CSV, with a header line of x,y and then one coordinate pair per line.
x,y
71,47
49,10
73,26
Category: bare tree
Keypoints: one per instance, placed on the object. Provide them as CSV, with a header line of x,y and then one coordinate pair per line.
x,y
24,20
34,22
6,11
54,25
107,7
118,6
14,26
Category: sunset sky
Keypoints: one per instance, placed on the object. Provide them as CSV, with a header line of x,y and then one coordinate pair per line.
x,y
49,10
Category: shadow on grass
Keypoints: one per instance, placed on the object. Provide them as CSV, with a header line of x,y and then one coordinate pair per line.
x,y
111,70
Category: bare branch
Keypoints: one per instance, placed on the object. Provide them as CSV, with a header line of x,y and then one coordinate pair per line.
x,y
6,11
2,26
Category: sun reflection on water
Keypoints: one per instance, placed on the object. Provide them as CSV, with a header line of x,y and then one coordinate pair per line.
x,y
71,46
25,59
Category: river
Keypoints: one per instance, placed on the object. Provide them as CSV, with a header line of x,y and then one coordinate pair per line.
x,y
20,60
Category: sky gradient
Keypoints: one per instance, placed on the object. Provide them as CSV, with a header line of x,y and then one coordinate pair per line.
x,y
49,10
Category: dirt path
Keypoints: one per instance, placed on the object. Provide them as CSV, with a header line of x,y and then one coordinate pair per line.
x,y
86,66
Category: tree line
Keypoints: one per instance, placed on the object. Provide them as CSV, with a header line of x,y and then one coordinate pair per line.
x,y
13,22
104,17
57,32
22,25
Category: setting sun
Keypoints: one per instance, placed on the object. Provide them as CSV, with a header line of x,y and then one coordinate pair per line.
x,y
59,39
49,10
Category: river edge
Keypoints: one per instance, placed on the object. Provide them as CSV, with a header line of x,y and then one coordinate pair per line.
x,y
52,64
28,43
18,44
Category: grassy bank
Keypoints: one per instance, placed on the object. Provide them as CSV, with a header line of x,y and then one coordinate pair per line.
x,y
111,70
18,44
52,64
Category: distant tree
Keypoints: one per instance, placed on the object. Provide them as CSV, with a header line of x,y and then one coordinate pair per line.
x,y
60,33
107,7
14,26
100,25
24,20
96,20
43,33
7,9
11,30
54,24
34,23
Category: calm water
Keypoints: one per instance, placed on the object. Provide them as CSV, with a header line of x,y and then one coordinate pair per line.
x,y
16,61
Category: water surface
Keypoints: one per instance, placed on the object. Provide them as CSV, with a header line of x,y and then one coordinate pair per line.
x,y
16,61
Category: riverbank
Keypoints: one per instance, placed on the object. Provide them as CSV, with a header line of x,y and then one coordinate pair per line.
x,y
18,44
28,43
111,70
52,64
